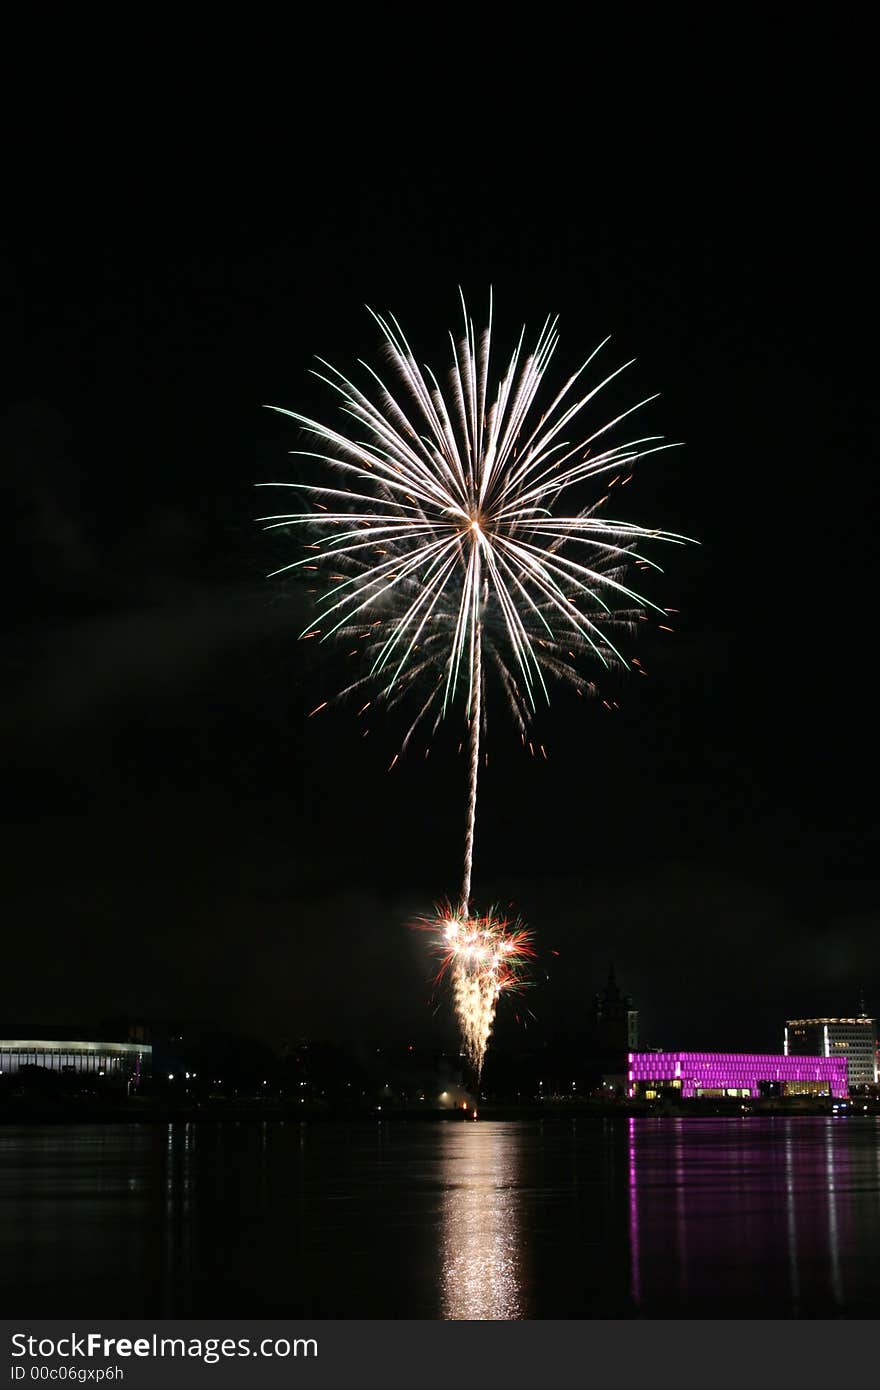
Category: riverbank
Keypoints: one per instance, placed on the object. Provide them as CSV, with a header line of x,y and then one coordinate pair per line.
x,y
150,1110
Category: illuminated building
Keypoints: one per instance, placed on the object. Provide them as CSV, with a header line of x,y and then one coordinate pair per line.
x,y
116,1062
854,1039
714,1074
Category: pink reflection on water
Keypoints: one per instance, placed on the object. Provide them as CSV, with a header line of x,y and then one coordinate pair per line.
x,y
635,1282
739,1205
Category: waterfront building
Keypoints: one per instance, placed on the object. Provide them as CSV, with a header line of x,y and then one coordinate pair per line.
x,y
117,1063
716,1074
854,1039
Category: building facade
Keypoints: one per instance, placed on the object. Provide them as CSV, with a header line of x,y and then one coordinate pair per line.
x,y
116,1062
853,1039
716,1074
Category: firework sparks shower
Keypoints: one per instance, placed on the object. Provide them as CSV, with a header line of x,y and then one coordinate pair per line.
x,y
450,550
484,957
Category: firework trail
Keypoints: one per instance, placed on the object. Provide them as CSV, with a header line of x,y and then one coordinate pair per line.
x,y
449,550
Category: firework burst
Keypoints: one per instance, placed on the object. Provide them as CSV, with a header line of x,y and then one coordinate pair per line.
x,y
455,540
484,958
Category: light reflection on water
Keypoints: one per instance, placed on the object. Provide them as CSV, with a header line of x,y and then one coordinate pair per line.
x,y
754,1218
574,1218
482,1245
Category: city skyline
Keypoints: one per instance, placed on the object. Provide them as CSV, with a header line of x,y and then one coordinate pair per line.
x,y
609,1024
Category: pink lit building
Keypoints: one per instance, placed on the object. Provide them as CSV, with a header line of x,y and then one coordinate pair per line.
x,y
734,1074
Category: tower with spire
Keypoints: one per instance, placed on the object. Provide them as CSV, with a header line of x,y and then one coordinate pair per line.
x,y
615,1026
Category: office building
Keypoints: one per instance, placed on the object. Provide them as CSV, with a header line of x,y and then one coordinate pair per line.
x,y
854,1039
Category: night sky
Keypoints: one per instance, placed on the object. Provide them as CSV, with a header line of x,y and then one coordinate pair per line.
x,y
179,839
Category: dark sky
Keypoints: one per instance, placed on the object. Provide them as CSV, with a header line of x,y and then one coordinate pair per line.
x,y
180,240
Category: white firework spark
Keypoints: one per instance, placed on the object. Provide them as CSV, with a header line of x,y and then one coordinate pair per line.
x,y
448,538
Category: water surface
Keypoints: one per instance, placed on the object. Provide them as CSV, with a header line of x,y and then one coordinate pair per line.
x,y
556,1219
